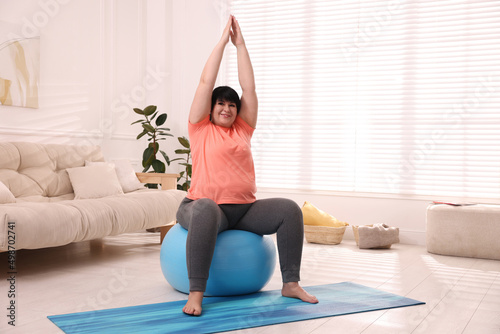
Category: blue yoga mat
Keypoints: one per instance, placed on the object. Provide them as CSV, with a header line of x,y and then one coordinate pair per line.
x,y
231,313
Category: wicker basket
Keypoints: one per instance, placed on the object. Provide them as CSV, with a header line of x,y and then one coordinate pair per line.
x,y
356,237
324,234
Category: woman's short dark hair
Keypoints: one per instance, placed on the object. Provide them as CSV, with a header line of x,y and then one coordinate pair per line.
x,y
226,93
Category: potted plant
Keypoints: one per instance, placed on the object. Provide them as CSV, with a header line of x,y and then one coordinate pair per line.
x,y
185,176
152,128
155,133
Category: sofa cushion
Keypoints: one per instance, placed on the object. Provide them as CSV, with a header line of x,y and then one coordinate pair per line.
x,y
40,225
32,169
5,195
44,199
95,181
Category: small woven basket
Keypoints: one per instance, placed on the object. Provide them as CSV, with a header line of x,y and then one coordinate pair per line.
x,y
324,234
356,237
356,234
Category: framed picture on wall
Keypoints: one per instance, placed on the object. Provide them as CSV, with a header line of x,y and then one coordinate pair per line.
x,y
19,67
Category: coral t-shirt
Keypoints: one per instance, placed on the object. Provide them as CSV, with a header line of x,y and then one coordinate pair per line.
x,y
223,167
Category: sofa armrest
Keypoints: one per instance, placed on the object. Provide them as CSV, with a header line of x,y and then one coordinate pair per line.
x,y
167,181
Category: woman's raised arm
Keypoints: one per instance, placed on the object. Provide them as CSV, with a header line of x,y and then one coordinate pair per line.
x,y
249,102
201,105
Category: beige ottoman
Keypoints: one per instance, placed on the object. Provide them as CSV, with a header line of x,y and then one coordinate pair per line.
x,y
470,231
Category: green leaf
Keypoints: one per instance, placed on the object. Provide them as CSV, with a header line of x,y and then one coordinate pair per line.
x,y
148,156
148,128
184,142
166,134
141,120
149,110
176,159
156,147
189,169
185,164
146,168
161,119
141,134
138,111
165,156
181,174
182,151
158,166
166,129
154,115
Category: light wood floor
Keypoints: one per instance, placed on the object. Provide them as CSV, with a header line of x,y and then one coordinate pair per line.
x,y
462,295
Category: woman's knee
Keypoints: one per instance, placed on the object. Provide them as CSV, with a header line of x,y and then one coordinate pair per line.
x,y
290,207
292,214
206,212
205,206
282,210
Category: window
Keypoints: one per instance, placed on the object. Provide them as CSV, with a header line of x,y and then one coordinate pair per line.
x,y
387,97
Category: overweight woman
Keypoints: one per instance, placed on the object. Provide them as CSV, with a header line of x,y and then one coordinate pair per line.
x,y
222,192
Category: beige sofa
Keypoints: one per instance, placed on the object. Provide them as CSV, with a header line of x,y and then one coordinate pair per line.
x,y
469,231
45,200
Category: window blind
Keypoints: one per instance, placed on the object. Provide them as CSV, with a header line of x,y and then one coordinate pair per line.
x,y
387,97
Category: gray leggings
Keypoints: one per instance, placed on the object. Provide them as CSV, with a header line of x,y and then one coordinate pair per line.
x,y
204,219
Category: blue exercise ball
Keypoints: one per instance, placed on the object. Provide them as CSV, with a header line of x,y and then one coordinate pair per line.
x,y
243,262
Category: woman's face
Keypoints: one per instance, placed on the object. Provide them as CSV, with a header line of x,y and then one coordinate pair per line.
x,y
224,113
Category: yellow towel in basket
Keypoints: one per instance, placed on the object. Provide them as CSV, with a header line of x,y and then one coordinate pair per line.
x,y
316,217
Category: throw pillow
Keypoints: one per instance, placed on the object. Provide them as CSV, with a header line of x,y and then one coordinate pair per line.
x,y
5,195
125,173
99,163
316,217
95,181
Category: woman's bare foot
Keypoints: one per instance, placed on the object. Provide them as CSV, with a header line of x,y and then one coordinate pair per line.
x,y
193,305
294,290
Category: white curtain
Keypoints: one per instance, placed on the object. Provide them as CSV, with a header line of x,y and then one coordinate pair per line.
x,y
388,97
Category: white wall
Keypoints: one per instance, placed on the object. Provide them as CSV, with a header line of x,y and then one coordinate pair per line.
x,y
98,60
101,58
196,29
69,95
407,214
